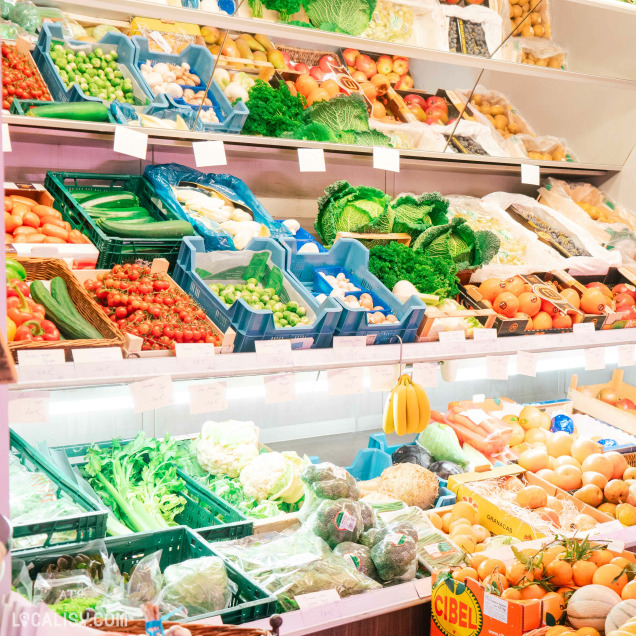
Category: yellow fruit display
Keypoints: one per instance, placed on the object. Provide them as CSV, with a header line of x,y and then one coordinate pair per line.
x,y
407,409
526,23
498,115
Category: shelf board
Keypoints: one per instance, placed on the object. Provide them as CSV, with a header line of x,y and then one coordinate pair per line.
x,y
609,5
302,37
66,375
42,130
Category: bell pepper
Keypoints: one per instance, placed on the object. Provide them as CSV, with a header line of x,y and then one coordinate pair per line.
x,y
20,309
11,327
16,283
14,269
37,330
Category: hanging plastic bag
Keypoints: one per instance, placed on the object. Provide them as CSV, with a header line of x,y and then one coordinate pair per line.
x,y
539,52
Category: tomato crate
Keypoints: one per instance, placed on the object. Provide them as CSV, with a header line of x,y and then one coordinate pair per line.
x,y
202,509
201,61
351,258
249,602
79,527
264,260
113,250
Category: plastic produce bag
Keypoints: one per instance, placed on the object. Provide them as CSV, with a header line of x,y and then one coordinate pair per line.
x,y
394,554
411,135
325,481
472,30
199,585
359,556
472,137
11,31
20,579
368,516
336,521
537,26
544,148
539,52
25,14
164,177
175,118
145,581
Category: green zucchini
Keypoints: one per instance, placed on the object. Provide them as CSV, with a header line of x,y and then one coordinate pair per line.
x,y
83,195
114,199
100,211
123,216
158,230
70,324
81,111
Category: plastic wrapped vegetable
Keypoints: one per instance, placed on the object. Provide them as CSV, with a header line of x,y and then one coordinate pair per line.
x,y
325,481
25,13
412,454
225,448
441,441
337,521
395,556
368,538
359,556
368,516
274,476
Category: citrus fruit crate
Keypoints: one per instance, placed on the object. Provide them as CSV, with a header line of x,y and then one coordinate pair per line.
x,y
79,527
351,258
201,62
119,43
202,509
113,250
249,602
263,260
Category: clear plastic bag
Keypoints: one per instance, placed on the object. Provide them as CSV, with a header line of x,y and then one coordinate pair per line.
x,y
145,581
543,148
337,521
473,30
20,579
411,135
394,553
472,137
25,14
325,481
539,52
359,556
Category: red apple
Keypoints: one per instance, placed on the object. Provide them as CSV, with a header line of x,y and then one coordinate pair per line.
x,y
437,113
629,313
416,99
326,63
302,68
405,83
316,73
437,102
430,121
608,395
475,1
624,289
400,65
359,76
384,64
604,288
623,301
350,56
365,64
626,404
393,78
417,110
450,1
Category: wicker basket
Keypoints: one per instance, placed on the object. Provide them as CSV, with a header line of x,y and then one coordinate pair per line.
x,y
196,629
48,268
306,56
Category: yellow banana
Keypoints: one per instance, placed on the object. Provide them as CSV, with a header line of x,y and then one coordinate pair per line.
x,y
412,410
399,409
424,408
388,426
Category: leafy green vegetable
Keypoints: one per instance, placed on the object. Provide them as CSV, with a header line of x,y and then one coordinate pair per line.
x,y
414,214
371,138
441,441
284,7
346,16
139,480
459,242
72,609
342,113
257,8
394,262
300,23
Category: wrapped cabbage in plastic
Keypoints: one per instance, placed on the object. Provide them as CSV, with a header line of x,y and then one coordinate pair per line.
x,y
337,521
441,441
325,481
359,556
395,555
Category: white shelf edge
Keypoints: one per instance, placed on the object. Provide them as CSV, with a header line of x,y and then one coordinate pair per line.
x,y
48,129
302,37
609,5
65,375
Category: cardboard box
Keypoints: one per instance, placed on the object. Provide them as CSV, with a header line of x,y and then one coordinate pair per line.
x,y
496,520
77,256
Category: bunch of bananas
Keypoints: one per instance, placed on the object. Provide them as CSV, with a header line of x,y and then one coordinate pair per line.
x,y
407,409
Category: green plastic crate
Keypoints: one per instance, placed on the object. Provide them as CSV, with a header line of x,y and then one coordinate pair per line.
x,y
249,601
113,250
84,527
202,510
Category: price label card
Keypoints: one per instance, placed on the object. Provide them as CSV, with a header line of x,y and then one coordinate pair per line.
x,y
274,353
345,381
595,359
315,599
29,408
6,138
151,394
484,334
311,160
386,158
527,363
582,328
347,348
195,356
530,174
626,355
496,607
497,367
129,141
98,362
280,388
383,377
209,153
43,364
422,587
452,336
207,397
425,373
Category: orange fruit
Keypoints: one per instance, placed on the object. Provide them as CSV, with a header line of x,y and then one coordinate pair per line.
x,y
516,573
611,576
530,592
567,477
587,631
566,460
582,447
583,572
331,86
600,557
622,562
557,630
497,580
487,567
560,444
598,463
465,573
491,288
559,572
318,95
629,591
554,605
476,560
511,594
305,84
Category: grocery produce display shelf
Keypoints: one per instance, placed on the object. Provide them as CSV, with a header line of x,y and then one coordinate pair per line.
x,y
609,5
247,364
299,36
79,132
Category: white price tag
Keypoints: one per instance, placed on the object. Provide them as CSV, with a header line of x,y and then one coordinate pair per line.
x,y
274,353
595,359
496,607
383,377
386,158
280,388
582,328
6,138
129,141
422,587
527,363
530,174
484,334
315,599
626,356
110,354
207,397
477,416
42,364
347,348
452,336
497,367
29,408
195,356
425,374
151,394
311,160
98,362
346,381
615,546
209,153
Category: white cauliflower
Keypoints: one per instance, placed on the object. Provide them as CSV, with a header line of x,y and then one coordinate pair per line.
x,y
225,448
274,476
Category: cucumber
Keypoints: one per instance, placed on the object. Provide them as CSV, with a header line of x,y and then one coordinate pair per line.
x,y
158,230
117,199
100,211
70,324
82,111
125,215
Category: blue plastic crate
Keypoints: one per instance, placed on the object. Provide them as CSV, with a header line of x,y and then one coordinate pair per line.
x,y
111,41
353,257
369,464
253,324
445,497
378,440
201,61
